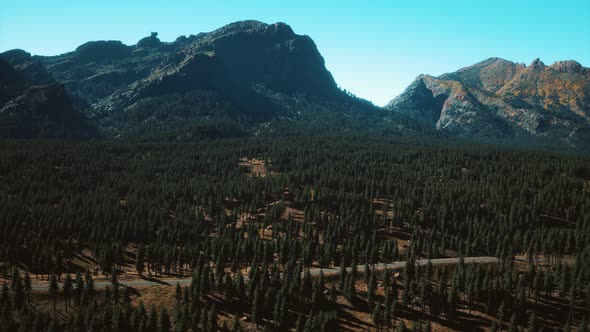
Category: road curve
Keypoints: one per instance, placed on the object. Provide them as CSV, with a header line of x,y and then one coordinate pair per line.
x,y
328,272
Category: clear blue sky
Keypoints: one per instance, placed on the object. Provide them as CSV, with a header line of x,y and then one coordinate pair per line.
x,y
373,48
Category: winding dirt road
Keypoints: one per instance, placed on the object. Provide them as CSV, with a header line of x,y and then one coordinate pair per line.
x,y
328,272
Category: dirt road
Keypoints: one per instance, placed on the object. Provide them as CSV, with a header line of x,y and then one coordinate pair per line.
x,y
328,272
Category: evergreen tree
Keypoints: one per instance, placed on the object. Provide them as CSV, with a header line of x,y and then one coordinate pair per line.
x,y
19,294
28,286
178,293
371,288
501,315
376,315
532,325
235,325
306,284
400,326
140,261
67,288
512,327
164,321
333,293
79,289
53,289
582,327
213,326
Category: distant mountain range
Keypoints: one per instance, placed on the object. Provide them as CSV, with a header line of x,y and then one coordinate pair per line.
x,y
499,99
252,78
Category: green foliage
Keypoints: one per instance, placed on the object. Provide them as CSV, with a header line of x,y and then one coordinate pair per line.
x,y
194,209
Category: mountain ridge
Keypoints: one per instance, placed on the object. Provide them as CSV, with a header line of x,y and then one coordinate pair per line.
x,y
264,79
250,73
497,98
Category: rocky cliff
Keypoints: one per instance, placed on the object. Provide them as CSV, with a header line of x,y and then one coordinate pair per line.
x,y
247,74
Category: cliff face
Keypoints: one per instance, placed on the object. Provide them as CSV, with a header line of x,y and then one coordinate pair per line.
x,y
499,99
246,72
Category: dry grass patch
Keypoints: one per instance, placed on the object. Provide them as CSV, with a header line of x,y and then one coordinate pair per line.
x,y
257,167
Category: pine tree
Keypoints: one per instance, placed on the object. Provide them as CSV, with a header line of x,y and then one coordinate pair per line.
x,y
300,325
333,293
164,321
178,292
512,327
204,318
228,287
213,325
126,296
350,287
582,327
79,289
53,289
257,311
307,285
501,315
108,297
376,315
15,278
52,326
342,274
494,328
371,288
89,289
28,285
452,299
116,293
152,322
532,326
400,326
5,301
67,288
19,294
235,325
140,261
241,287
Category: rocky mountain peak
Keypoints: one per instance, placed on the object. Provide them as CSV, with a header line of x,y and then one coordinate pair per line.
x,y
568,66
499,99
279,29
537,64
418,101
149,42
16,56
102,50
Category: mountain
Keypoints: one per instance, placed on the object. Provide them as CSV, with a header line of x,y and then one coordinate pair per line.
x,y
242,79
37,111
501,100
251,78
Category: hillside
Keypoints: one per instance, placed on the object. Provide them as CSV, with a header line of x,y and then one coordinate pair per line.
x,y
254,79
37,111
501,100
242,79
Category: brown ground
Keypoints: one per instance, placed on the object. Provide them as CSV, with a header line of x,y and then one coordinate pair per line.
x,y
256,167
